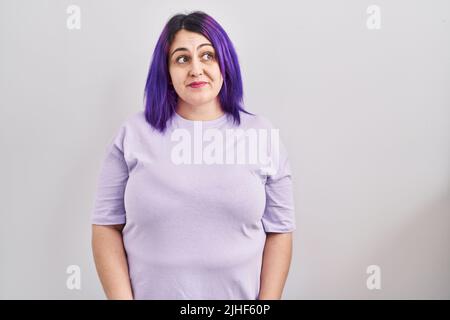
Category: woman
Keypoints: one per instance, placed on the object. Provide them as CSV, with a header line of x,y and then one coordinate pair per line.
x,y
176,217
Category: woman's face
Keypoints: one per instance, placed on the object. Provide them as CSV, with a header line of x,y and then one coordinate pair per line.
x,y
192,58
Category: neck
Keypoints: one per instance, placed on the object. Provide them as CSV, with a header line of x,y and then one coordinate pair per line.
x,y
208,111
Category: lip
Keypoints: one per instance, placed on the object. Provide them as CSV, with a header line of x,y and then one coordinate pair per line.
x,y
198,84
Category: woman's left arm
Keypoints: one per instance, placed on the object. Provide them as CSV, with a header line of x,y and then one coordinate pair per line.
x,y
275,265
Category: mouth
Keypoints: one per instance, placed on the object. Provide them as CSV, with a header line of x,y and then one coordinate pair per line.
x,y
198,84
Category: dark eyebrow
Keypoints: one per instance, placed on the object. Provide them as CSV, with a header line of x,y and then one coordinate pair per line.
x,y
184,49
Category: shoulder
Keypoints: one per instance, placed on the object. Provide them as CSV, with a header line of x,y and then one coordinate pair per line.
x,y
130,129
135,125
258,121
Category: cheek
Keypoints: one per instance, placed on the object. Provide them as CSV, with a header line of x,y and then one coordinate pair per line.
x,y
219,79
217,75
176,76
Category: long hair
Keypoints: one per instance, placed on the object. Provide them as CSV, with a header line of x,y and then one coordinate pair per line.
x,y
160,98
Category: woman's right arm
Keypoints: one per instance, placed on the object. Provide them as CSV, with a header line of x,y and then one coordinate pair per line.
x,y
111,261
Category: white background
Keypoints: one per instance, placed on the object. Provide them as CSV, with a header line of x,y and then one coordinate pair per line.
x,y
364,114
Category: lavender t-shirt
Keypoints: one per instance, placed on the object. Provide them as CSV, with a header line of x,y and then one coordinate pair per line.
x,y
195,203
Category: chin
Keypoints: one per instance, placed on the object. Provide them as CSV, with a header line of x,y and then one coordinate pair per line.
x,y
197,102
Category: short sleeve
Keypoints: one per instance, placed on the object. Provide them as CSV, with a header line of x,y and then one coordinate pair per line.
x,y
279,213
109,205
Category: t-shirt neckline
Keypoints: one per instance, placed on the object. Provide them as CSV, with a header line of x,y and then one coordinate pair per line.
x,y
186,123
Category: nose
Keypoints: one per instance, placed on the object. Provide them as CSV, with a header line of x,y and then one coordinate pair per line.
x,y
196,68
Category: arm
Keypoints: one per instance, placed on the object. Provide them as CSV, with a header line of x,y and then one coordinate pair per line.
x,y
275,266
111,262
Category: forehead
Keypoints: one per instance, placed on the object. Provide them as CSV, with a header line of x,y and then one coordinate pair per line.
x,y
188,39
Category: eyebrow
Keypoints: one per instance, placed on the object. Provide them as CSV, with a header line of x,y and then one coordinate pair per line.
x,y
185,49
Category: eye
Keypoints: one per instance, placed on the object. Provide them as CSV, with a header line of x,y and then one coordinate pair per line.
x,y
181,57
210,54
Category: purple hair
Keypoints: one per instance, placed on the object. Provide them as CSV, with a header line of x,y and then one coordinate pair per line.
x,y
160,98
